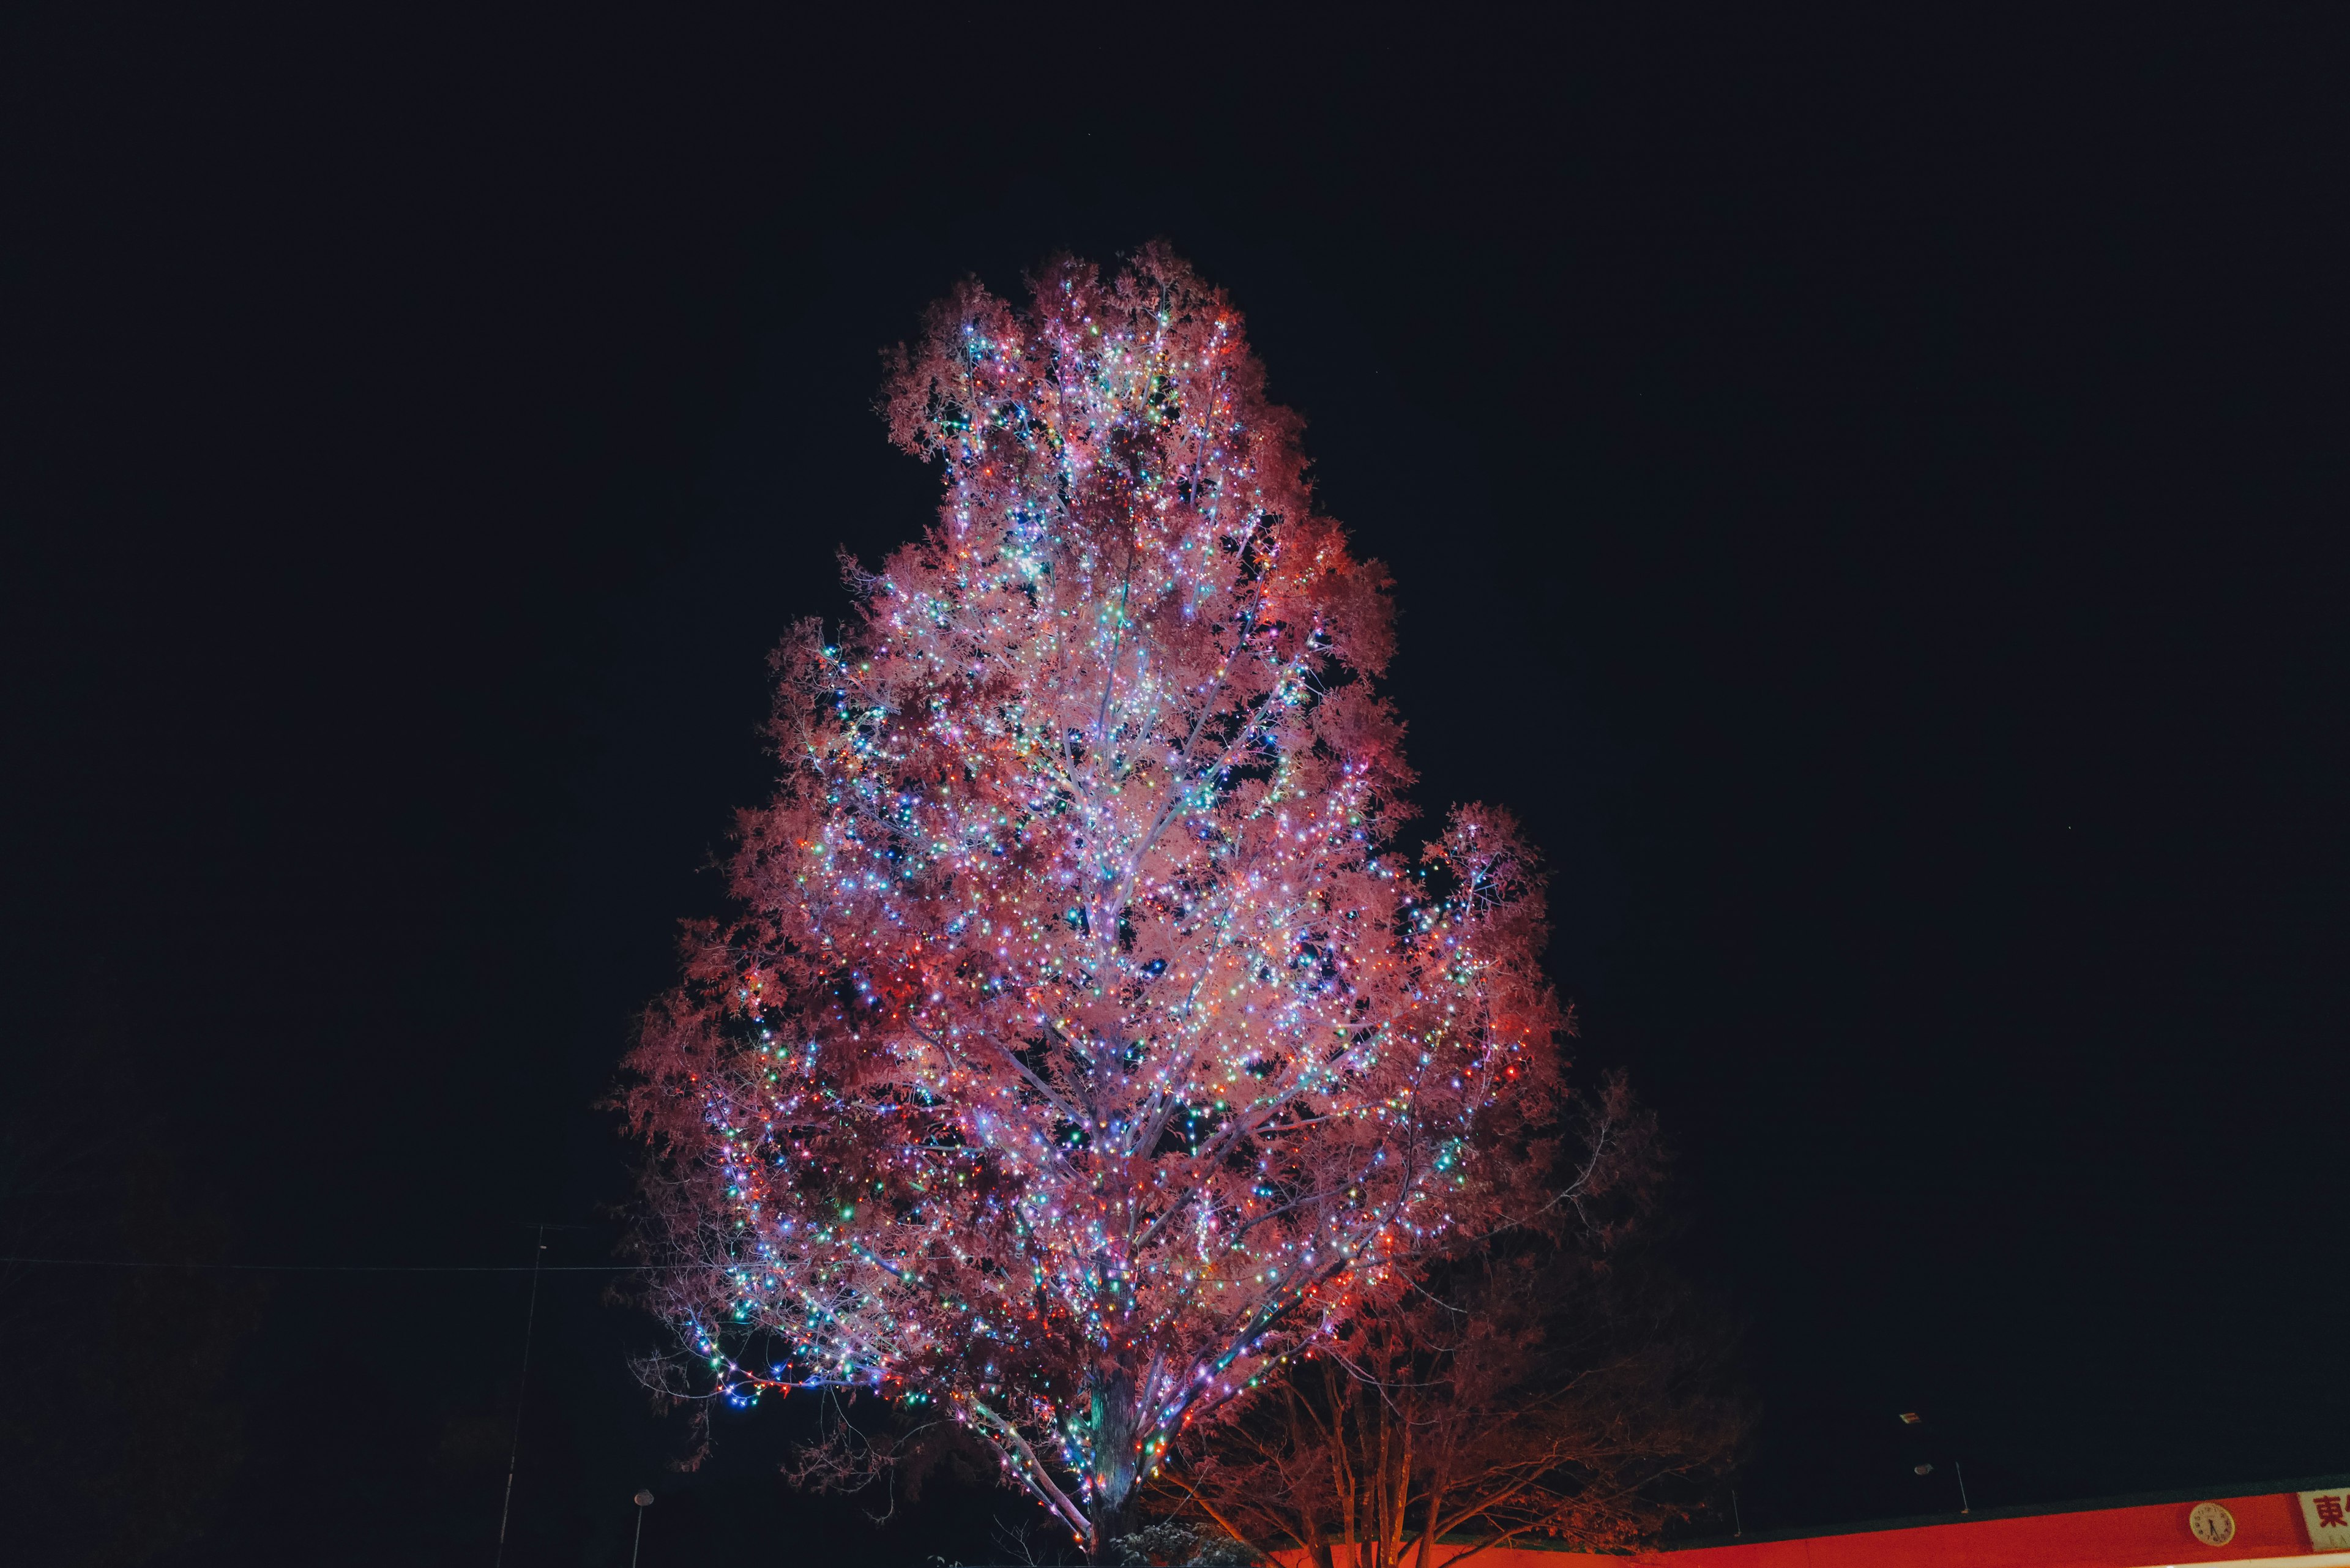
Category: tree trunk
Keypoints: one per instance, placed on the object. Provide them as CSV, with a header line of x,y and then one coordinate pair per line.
x,y
1109,1524
1117,1462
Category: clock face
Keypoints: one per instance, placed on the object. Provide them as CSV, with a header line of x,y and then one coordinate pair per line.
x,y
2211,1524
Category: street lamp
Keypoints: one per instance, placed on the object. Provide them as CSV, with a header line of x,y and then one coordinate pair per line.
x,y
1912,1419
643,1499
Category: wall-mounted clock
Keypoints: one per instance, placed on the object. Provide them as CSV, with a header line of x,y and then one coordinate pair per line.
x,y
2211,1524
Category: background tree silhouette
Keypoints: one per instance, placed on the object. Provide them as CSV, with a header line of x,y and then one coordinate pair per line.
x,y
122,1426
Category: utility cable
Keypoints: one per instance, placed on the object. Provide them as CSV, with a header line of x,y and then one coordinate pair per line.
x,y
344,1268
514,1456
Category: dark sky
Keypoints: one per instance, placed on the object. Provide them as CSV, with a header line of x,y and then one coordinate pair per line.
x,y
1869,499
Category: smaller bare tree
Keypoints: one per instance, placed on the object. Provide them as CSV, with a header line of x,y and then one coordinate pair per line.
x,y
1558,1383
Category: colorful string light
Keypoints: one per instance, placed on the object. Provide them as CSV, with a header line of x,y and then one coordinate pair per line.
x,y
1084,1045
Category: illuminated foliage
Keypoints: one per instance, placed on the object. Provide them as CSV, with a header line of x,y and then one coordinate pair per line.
x,y
1083,1043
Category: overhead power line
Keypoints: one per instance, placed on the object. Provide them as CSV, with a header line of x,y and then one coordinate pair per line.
x,y
347,1268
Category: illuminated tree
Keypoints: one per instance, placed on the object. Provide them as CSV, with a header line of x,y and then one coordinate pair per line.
x,y
1083,1043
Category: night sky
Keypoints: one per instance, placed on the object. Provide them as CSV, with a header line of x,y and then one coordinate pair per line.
x,y
1869,500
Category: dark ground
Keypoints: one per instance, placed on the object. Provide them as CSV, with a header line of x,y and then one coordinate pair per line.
x,y
1870,500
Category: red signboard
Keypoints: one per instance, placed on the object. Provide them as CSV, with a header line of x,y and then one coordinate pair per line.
x,y
2276,1530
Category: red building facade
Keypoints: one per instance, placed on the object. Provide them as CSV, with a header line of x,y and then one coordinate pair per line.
x,y
2301,1525
2282,1529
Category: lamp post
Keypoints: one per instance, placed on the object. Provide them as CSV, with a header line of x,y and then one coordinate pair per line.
x,y
1912,1419
643,1499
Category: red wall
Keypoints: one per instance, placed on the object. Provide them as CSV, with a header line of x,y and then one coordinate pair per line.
x,y
2267,1525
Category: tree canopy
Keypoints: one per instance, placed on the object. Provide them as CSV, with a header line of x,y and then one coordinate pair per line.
x,y
1084,1040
